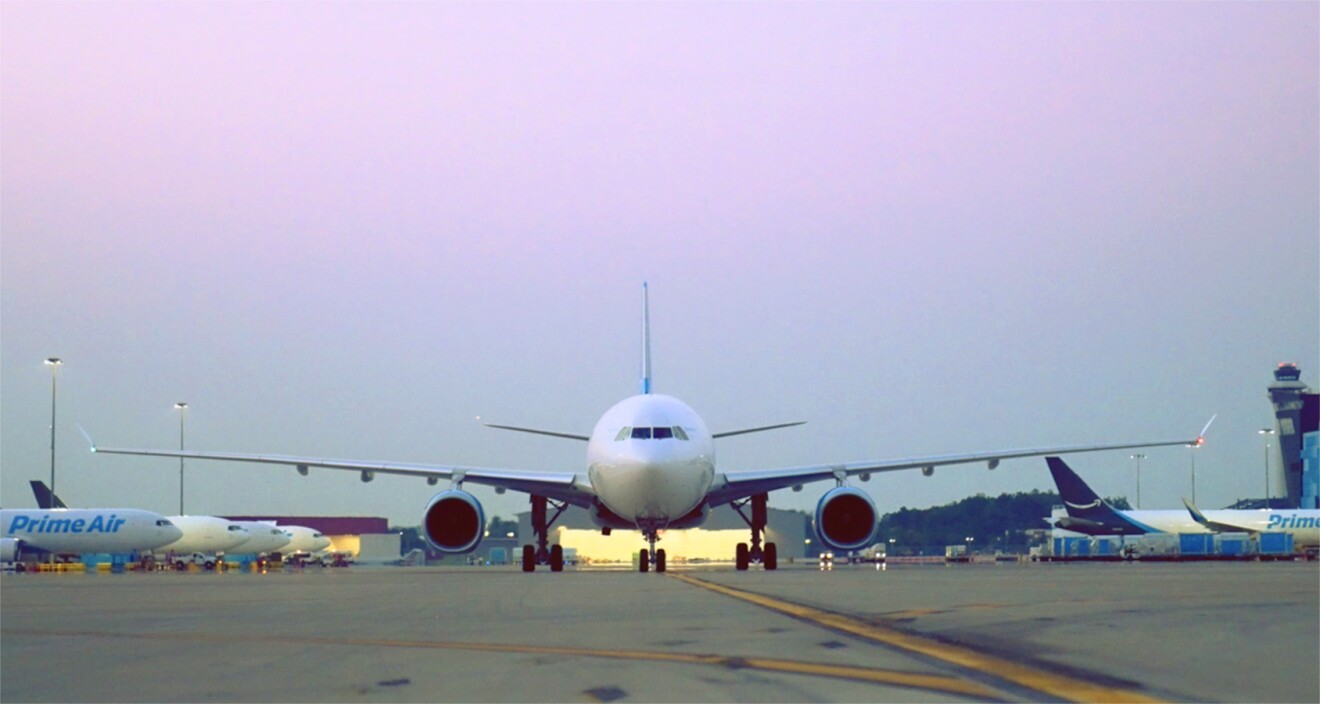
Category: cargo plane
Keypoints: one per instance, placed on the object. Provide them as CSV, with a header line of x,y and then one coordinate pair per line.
x,y
650,466
67,531
1091,515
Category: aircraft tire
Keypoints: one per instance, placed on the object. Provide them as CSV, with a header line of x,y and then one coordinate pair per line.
x,y
660,560
529,559
556,558
644,564
742,557
770,557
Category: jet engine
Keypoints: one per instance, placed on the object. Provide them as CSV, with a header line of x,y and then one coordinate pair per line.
x,y
845,519
9,549
453,522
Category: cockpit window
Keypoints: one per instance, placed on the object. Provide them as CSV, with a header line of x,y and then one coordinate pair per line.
x,y
163,522
661,433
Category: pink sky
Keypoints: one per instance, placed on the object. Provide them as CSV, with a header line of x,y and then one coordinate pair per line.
x,y
346,229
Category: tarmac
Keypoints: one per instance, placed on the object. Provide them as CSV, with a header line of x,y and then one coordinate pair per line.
x,y
1235,632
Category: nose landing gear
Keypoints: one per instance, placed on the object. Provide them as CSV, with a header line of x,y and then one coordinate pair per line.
x,y
651,557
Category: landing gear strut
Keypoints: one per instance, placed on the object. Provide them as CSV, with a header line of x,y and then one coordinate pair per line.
x,y
768,556
651,556
543,553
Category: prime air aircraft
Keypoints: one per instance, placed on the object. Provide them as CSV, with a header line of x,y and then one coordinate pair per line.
x,y
209,535
650,466
65,531
1091,515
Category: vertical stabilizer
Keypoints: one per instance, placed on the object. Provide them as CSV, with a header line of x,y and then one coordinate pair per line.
x,y
45,497
646,340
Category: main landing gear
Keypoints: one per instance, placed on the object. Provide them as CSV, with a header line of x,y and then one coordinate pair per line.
x,y
543,553
652,556
744,556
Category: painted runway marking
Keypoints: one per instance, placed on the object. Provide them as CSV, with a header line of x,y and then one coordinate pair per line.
x,y
897,678
1055,685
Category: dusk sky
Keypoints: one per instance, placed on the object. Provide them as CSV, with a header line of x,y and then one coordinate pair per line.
x,y
348,229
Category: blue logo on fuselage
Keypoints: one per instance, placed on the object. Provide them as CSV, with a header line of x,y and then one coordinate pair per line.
x,y
1279,520
51,523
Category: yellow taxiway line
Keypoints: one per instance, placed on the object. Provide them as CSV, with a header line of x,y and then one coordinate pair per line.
x,y
1053,684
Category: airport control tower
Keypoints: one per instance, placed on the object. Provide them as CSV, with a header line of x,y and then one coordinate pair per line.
x,y
1291,399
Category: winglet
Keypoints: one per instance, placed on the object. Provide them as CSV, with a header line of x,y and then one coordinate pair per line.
x,y
1196,512
646,340
1200,438
90,444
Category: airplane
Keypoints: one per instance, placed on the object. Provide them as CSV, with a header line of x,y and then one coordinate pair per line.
x,y
208,535
1091,515
262,538
303,540
650,466
64,531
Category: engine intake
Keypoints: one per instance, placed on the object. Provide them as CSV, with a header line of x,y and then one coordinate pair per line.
x,y
453,522
845,519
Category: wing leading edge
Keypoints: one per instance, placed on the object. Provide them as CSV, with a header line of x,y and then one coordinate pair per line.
x,y
560,486
732,486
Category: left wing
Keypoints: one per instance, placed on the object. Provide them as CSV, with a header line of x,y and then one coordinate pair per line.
x,y
1216,526
560,486
732,486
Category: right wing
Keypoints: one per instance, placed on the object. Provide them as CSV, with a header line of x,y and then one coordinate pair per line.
x,y
735,485
560,486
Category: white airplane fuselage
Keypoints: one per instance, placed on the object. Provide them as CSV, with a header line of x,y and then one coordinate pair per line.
x,y
1302,523
651,460
88,530
205,534
303,540
262,538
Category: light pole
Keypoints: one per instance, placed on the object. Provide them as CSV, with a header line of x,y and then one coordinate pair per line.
x,y
54,363
1138,457
1192,454
1266,433
183,411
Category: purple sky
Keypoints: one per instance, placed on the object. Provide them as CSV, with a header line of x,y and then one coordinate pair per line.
x,y
347,229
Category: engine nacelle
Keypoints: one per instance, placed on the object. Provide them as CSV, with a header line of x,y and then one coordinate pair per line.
x,y
846,519
9,549
453,522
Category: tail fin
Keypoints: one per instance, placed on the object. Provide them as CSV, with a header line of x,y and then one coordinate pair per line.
x,y
45,497
646,340
1089,512
1079,499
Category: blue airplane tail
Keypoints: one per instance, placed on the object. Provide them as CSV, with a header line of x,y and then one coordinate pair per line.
x,y
1087,512
45,497
646,341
